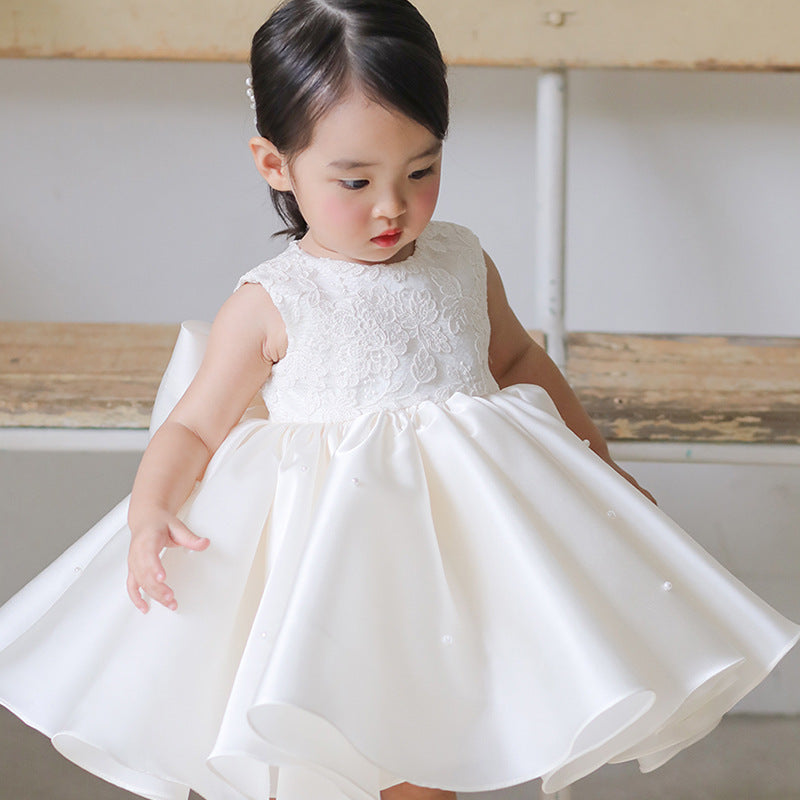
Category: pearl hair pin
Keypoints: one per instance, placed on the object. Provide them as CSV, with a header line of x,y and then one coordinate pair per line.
x,y
250,93
252,96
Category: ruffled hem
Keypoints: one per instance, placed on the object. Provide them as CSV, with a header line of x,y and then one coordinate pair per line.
x,y
459,594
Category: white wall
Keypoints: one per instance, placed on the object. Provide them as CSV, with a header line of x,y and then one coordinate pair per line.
x,y
128,194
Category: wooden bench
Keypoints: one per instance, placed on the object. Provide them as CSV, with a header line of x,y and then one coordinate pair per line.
x,y
637,388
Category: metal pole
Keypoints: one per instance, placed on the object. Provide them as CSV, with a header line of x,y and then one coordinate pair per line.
x,y
551,129
551,174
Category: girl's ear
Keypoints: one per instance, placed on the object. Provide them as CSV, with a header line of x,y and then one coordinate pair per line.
x,y
270,163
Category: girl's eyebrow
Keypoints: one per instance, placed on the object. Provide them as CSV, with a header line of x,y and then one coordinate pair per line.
x,y
433,150
345,163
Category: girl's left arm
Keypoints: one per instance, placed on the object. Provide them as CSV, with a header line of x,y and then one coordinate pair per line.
x,y
516,358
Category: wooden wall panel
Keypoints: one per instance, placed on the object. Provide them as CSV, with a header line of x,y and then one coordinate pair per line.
x,y
678,34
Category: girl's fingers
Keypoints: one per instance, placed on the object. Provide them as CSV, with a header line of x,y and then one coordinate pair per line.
x,y
646,494
145,569
154,585
150,578
159,592
181,535
154,567
133,593
168,600
633,482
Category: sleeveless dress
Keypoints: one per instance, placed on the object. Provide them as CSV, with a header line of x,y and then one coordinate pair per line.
x,y
413,576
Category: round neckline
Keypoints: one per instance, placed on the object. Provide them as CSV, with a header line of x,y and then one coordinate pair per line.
x,y
418,242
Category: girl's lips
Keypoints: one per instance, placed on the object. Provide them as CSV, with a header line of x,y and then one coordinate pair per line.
x,y
388,238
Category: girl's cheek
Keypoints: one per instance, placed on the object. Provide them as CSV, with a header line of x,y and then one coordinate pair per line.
x,y
429,195
341,209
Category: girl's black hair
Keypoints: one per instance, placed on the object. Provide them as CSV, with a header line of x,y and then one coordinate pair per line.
x,y
310,53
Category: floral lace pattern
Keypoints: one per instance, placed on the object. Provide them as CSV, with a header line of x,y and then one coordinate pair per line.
x,y
366,337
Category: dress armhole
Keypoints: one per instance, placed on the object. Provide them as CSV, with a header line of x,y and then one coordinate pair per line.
x,y
480,271
277,324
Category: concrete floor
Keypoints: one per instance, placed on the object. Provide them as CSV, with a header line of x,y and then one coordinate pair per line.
x,y
747,757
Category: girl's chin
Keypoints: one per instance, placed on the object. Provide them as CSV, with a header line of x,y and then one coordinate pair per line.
x,y
378,254
401,255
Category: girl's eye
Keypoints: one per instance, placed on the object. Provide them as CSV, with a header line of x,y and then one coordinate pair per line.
x,y
421,173
352,185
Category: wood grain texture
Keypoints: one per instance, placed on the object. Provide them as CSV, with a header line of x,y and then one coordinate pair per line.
x,y
688,388
635,387
81,375
679,34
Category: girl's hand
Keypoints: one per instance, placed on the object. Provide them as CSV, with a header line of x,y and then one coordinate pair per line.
x,y
145,569
238,360
632,480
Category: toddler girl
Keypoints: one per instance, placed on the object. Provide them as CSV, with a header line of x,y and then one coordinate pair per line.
x,y
417,571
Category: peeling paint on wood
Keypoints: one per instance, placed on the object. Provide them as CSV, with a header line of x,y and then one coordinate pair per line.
x,y
635,387
688,388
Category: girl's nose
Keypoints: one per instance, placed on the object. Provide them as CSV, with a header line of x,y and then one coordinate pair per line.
x,y
390,205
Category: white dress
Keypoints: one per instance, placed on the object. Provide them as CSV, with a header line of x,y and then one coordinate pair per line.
x,y
413,576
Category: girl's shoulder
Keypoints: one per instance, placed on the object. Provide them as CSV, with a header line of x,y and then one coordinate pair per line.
x,y
274,274
444,229
269,305
456,240
459,243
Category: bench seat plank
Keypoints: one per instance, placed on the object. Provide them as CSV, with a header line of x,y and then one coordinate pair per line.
x,y
688,388
637,387
680,34
81,375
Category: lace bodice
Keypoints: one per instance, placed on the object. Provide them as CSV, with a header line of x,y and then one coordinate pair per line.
x,y
365,337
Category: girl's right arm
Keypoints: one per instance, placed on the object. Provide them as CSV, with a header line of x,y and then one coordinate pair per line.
x,y
238,359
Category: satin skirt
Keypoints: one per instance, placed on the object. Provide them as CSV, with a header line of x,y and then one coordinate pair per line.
x,y
458,594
